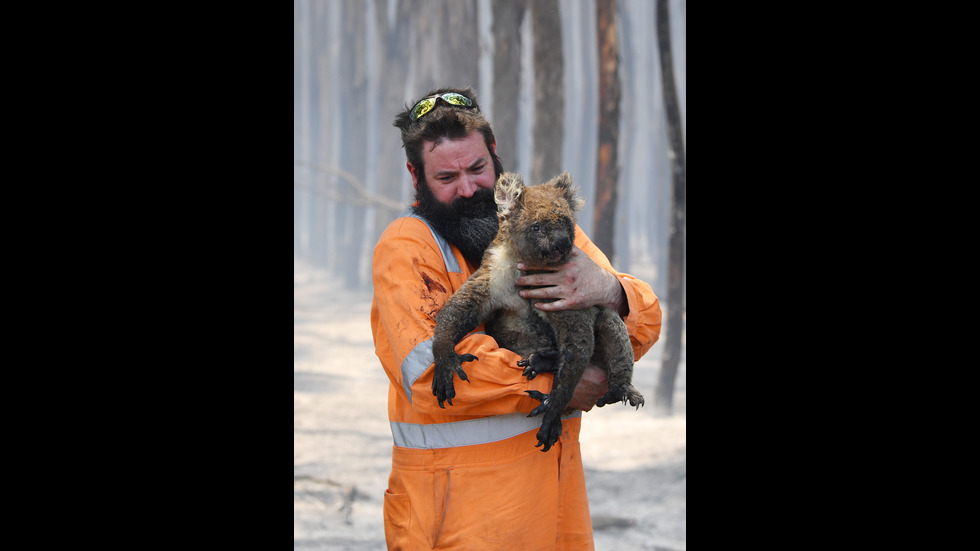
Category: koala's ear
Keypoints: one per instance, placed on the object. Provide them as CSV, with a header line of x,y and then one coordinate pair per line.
x,y
568,187
507,191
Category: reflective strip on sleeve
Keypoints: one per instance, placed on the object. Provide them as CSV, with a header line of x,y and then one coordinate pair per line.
x,y
417,361
465,433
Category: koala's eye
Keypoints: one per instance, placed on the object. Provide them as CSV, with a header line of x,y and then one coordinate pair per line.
x,y
536,227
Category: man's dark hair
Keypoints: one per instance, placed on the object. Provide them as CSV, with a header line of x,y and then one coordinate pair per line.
x,y
444,121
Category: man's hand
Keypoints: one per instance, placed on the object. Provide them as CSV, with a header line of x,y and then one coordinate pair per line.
x,y
590,388
578,284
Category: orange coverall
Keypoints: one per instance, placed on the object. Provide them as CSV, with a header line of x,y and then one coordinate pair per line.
x,y
469,476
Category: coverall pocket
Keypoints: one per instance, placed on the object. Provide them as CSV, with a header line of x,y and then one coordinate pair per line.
x,y
480,513
398,517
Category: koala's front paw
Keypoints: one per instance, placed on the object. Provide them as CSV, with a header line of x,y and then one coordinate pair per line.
x,y
442,378
542,361
442,386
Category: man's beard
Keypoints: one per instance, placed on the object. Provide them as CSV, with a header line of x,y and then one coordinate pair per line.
x,y
470,223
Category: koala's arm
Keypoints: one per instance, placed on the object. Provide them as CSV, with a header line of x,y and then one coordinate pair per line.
x,y
411,284
644,318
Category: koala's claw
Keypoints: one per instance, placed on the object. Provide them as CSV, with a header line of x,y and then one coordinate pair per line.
x,y
542,361
459,368
548,433
624,394
541,397
529,371
442,380
551,427
443,392
443,388
633,397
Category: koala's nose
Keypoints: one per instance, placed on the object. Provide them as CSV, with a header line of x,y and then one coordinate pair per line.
x,y
562,245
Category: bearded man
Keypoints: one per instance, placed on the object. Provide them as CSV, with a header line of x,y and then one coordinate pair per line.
x,y
469,476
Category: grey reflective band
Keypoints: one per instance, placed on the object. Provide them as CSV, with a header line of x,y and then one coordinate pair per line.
x,y
465,433
417,361
447,253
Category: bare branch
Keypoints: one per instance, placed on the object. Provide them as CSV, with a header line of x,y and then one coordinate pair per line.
x,y
361,195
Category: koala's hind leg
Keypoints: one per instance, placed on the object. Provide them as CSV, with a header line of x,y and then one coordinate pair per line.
x,y
551,423
612,349
576,340
527,332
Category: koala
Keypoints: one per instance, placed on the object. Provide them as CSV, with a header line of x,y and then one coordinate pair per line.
x,y
537,226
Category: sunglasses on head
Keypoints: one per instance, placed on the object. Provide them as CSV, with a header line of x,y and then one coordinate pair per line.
x,y
428,104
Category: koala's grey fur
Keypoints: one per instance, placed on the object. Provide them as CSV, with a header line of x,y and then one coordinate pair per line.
x,y
537,226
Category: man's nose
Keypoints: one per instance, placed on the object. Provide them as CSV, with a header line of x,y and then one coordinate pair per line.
x,y
467,187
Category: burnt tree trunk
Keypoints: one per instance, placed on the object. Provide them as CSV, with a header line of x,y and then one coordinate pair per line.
x,y
391,160
664,395
351,147
506,27
548,129
462,68
607,171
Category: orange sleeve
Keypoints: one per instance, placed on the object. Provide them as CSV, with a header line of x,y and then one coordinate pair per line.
x,y
411,283
643,322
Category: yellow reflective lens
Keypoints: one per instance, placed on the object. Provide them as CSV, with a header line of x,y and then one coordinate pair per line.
x,y
456,99
423,107
428,104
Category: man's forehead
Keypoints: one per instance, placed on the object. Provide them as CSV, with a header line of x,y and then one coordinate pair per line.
x,y
455,151
473,139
